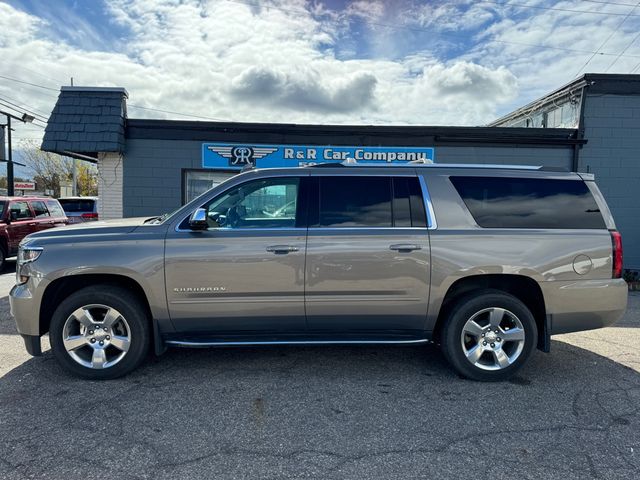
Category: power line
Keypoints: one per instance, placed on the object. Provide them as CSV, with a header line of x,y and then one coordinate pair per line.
x,y
555,9
622,51
609,3
17,107
175,113
424,30
16,101
613,32
29,83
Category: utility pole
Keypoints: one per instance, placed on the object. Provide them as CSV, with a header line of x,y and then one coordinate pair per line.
x,y
26,118
10,190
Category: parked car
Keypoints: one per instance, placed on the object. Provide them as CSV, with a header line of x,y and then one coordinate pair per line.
x,y
21,216
80,209
487,262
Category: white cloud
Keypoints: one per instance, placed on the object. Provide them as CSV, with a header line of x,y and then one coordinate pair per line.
x,y
278,62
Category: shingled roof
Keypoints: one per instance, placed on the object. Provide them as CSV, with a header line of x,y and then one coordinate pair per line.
x,y
87,120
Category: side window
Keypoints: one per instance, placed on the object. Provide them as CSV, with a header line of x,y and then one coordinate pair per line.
x,y
497,202
264,203
40,209
408,204
19,211
357,201
55,209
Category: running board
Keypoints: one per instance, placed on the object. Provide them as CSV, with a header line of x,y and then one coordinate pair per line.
x,y
253,343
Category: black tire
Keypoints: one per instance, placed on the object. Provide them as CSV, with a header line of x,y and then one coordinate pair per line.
x,y
463,310
3,257
128,305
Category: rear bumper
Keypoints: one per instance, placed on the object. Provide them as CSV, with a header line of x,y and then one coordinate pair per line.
x,y
573,306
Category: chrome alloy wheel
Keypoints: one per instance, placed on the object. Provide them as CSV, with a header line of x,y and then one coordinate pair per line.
x,y
96,336
493,338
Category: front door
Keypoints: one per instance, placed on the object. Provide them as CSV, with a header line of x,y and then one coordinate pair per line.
x,y
368,260
245,273
22,224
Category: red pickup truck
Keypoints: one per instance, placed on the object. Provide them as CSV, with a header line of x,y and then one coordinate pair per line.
x,y
20,216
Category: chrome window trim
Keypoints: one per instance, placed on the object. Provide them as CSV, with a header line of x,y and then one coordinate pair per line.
x,y
259,229
344,229
432,224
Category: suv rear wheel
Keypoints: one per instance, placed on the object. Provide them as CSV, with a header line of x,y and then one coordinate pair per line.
x,y
100,332
489,335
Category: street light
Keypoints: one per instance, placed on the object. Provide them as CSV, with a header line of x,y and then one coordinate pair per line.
x,y
26,118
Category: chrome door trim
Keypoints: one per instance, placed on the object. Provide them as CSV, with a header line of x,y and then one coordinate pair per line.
x,y
186,343
432,224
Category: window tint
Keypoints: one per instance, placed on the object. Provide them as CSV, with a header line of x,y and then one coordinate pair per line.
x,y
77,205
529,202
355,202
55,208
19,210
267,203
40,209
408,204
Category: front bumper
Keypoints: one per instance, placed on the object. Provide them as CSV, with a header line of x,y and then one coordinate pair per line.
x,y
25,312
573,306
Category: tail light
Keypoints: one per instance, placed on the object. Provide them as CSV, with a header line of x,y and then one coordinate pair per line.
x,y
616,243
90,216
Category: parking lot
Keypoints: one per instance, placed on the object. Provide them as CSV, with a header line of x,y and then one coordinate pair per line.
x,y
340,412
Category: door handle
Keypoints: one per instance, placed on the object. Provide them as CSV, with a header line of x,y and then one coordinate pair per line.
x,y
405,247
280,249
33,224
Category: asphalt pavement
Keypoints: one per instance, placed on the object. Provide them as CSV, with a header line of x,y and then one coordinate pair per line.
x,y
325,413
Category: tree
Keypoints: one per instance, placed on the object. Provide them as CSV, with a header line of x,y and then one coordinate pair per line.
x,y
50,170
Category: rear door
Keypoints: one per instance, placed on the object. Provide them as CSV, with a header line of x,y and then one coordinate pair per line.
x,y
368,260
42,216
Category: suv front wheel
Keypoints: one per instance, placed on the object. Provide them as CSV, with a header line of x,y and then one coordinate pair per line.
x,y
489,335
100,332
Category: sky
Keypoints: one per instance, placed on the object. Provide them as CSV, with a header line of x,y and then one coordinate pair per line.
x,y
457,62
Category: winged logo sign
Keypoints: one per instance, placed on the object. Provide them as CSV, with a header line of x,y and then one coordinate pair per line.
x,y
236,155
240,155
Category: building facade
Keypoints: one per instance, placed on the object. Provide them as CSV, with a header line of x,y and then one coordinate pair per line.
x,y
148,167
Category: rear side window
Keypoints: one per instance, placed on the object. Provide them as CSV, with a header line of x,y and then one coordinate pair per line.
x,y
77,205
529,202
361,201
355,202
55,208
40,209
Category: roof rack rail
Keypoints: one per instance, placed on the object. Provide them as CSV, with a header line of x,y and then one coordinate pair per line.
x,y
326,165
548,168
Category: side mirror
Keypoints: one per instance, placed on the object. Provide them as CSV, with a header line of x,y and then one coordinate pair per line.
x,y
198,220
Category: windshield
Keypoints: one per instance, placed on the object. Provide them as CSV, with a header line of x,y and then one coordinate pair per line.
x,y
2,207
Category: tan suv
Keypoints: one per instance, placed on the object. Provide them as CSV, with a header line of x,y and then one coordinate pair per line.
x,y
488,262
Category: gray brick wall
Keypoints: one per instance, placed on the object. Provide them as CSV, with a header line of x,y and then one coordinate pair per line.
x,y
153,168
153,172
612,128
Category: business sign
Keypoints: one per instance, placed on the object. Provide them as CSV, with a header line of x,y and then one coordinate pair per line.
x,y
238,155
24,185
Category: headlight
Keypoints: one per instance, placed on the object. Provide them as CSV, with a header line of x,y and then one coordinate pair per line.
x,y
25,255
28,254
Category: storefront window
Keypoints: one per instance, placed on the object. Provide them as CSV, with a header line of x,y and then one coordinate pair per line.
x,y
196,182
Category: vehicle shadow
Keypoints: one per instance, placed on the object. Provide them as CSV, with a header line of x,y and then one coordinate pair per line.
x,y
337,412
